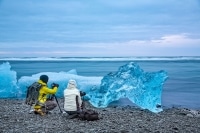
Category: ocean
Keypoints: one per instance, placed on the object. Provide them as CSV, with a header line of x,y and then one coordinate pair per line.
x,y
182,88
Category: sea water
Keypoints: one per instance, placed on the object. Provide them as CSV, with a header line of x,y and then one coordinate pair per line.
x,y
182,88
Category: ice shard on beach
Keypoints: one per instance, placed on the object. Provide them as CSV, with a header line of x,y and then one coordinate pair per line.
x,y
142,88
130,81
8,80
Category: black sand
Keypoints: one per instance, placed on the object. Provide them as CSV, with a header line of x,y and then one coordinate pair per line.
x,y
15,118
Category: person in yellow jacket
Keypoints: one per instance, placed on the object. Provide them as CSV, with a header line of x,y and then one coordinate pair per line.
x,y
44,104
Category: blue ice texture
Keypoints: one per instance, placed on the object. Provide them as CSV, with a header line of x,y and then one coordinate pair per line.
x,y
130,81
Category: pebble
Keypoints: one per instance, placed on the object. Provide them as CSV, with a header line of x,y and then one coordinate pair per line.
x,y
113,119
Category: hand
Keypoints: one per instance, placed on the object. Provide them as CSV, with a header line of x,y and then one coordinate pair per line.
x,y
82,93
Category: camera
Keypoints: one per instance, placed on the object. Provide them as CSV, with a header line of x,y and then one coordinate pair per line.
x,y
54,85
82,93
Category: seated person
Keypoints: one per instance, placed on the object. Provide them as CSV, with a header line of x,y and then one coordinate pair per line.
x,y
44,105
72,99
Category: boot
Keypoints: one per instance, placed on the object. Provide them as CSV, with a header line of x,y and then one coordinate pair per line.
x,y
39,111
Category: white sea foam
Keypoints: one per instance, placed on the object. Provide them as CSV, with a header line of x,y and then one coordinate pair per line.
x,y
175,58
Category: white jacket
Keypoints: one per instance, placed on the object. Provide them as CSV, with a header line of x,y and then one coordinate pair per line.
x,y
70,94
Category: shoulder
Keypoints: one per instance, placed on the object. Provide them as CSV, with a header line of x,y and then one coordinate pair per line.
x,y
42,83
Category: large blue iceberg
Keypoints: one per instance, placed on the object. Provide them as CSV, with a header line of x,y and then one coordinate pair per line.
x,y
130,81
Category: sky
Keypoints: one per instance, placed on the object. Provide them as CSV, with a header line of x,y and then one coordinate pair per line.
x,y
99,28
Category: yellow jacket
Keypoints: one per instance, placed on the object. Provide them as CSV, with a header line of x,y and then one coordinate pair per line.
x,y
44,92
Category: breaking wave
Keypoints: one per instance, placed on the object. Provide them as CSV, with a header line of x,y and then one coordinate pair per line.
x,y
174,58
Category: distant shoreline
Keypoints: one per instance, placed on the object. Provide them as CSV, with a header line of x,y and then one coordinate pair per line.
x,y
134,58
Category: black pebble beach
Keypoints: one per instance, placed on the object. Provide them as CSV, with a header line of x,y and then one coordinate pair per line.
x,y
15,118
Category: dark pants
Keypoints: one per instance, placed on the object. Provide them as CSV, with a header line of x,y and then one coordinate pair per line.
x,y
50,105
72,114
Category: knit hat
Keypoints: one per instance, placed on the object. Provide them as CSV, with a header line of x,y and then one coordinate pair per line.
x,y
44,78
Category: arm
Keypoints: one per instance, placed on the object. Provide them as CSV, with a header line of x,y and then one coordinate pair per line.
x,y
80,101
50,91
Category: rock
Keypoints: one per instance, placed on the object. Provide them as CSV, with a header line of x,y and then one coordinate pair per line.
x,y
189,115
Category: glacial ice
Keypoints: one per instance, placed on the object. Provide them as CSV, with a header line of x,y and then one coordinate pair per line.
x,y
61,78
8,80
130,81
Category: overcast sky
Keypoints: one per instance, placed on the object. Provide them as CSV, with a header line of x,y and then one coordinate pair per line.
x,y
99,28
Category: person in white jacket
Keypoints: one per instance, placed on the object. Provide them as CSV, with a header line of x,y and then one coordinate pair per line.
x,y
72,98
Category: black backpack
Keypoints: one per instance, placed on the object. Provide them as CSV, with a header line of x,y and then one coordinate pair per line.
x,y
32,93
89,115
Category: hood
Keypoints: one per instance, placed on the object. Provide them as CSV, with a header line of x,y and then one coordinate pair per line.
x,y
71,84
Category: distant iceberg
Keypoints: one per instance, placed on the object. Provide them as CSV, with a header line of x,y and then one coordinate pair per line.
x,y
130,81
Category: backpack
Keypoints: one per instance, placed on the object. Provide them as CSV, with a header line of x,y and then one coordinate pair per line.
x,y
32,93
89,115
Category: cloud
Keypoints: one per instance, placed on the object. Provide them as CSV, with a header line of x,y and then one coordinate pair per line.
x,y
181,40
175,44
98,27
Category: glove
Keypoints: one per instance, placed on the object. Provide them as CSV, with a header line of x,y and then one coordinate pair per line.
x,y
54,85
82,93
